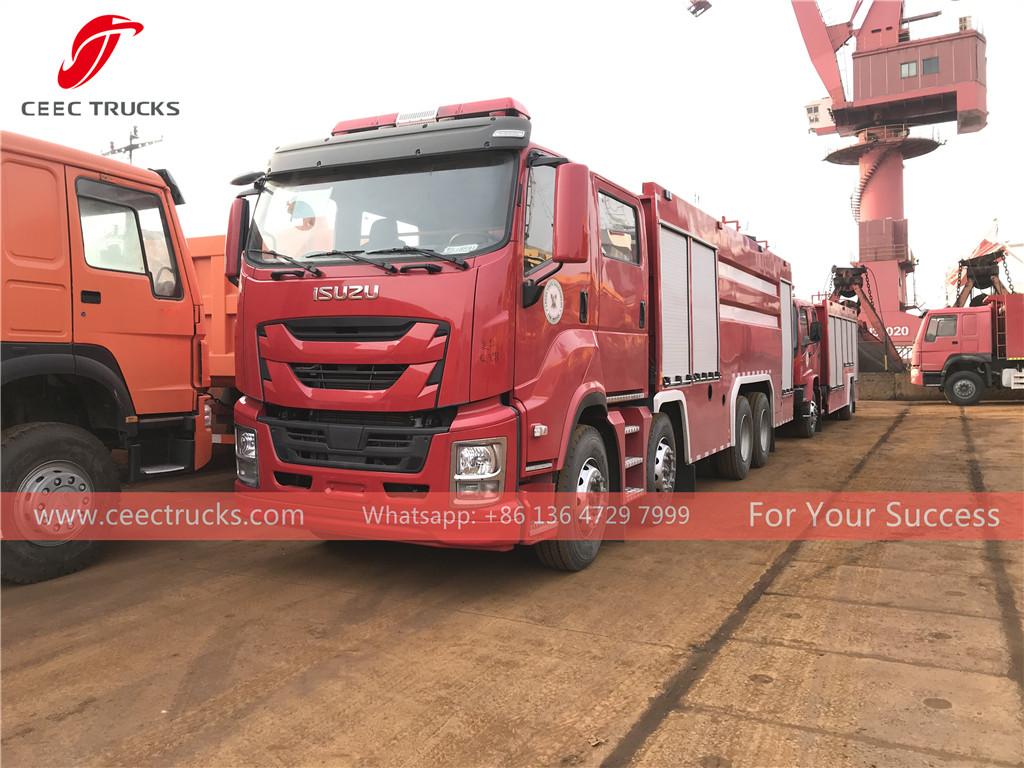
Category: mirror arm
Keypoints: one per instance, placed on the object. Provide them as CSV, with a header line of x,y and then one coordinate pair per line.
x,y
533,287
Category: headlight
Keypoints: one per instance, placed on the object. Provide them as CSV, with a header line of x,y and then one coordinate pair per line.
x,y
245,456
245,443
207,415
478,467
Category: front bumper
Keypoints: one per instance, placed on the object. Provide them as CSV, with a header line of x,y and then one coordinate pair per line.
x,y
342,495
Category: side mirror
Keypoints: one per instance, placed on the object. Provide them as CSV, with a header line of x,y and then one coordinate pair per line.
x,y
814,332
234,242
572,197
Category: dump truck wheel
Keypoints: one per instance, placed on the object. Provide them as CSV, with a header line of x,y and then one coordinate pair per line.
x,y
762,415
734,463
964,388
46,458
585,472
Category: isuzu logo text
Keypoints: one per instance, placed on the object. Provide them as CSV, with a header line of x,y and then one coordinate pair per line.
x,y
345,292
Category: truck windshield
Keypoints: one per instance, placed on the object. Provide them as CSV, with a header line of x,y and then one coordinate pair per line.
x,y
457,205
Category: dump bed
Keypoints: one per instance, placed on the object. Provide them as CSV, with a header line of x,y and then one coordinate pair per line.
x,y
220,306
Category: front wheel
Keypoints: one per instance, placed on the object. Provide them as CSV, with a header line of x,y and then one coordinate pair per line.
x,y
41,459
584,475
964,388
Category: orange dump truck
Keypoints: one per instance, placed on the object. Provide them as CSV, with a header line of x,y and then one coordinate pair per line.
x,y
116,346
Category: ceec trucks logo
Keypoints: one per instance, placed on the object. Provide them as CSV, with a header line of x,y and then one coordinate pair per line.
x,y
92,48
93,45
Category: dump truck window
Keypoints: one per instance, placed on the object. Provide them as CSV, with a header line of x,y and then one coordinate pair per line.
x,y
941,326
618,222
540,217
124,230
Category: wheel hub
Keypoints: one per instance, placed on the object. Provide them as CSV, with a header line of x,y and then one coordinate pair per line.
x,y
664,467
54,477
964,389
764,433
746,442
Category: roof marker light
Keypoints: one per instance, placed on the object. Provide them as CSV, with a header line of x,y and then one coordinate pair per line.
x,y
410,118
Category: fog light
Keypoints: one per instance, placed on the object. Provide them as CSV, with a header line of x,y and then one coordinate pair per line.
x,y
478,468
246,466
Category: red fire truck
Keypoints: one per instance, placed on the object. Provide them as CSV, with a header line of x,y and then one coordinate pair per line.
x,y
966,350
433,302
825,364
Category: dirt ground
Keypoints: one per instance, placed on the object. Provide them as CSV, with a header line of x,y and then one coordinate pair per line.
x,y
707,654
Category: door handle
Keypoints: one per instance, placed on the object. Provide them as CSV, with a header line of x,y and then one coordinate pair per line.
x,y
643,313
91,297
584,306
954,342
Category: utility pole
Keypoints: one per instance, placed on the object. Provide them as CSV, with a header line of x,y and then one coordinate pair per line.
x,y
132,145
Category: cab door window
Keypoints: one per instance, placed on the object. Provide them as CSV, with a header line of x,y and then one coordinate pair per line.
x,y
124,230
805,332
540,217
618,224
941,326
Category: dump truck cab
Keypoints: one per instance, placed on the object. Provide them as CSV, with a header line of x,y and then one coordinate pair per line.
x,y
102,340
966,351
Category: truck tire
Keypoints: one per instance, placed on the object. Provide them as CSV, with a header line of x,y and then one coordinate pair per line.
x,y
964,388
585,470
734,462
807,422
43,457
846,412
662,457
762,420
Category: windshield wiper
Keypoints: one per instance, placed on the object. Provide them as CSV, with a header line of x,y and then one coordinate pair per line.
x,y
312,270
355,256
460,263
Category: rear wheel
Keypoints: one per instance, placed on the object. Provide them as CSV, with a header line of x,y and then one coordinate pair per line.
x,y
734,462
41,459
964,388
584,475
762,415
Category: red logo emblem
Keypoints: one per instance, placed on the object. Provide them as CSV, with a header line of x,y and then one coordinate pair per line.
x,y
93,45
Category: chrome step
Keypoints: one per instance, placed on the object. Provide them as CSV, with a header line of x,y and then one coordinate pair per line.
x,y
632,429
633,461
161,469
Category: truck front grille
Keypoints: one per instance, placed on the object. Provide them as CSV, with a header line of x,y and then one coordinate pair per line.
x,y
384,442
341,376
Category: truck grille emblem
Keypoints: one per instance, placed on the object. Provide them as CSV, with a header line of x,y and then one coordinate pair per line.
x,y
345,292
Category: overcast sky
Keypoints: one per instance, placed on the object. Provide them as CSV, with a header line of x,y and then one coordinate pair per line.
x,y
712,108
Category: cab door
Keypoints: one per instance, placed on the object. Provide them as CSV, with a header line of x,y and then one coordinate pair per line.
x,y
622,306
128,294
940,341
554,332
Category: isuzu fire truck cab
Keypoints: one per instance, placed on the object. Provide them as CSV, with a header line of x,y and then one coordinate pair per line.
x,y
433,302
